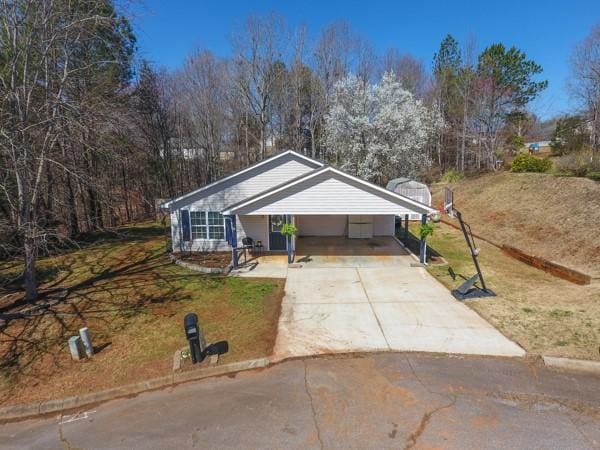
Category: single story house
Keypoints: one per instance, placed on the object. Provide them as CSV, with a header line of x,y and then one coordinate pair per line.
x,y
286,188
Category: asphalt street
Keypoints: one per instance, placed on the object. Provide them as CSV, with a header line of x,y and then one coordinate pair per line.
x,y
387,400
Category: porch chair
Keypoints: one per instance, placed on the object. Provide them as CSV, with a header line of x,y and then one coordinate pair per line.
x,y
247,245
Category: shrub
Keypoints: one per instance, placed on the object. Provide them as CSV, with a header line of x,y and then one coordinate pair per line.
x,y
452,176
579,163
525,162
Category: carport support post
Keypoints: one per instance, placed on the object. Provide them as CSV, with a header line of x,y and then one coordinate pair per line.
x,y
423,246
233,239
288,241
405,228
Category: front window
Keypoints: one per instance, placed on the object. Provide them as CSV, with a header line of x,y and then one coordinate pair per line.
x,y
216,225
207,225
198,224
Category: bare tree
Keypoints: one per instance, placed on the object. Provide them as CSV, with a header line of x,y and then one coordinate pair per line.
x,y
407,69
332,62
464,86
156,122
52,55
259,48
202,87
585,82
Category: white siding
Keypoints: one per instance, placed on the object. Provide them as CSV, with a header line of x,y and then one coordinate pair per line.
x,y
255,227
248,184
322,225
326,194
384,225
221,195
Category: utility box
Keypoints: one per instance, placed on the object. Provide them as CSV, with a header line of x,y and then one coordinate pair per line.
x,y
360,227
76,348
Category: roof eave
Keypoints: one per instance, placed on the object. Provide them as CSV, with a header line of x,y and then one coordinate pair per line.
x,y
416,206
167,205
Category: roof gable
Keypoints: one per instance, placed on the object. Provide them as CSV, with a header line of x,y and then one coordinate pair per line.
x,y
226,186
328,191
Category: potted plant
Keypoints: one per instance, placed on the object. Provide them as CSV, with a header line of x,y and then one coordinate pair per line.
x,y
424,230
289,230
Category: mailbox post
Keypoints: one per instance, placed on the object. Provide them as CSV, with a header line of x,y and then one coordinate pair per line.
x,y
195,337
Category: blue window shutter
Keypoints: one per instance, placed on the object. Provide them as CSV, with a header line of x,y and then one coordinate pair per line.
x,y
228,229
185,225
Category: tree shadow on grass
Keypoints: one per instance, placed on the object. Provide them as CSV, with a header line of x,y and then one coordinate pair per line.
x,y
33,340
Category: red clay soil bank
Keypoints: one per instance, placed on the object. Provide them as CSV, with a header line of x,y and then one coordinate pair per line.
x,y
550,267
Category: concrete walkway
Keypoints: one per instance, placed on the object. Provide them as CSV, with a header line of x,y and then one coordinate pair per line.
x,y
378,302
369,401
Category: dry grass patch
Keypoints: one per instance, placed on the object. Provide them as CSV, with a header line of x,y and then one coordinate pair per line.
x,y
133,299
542,214
544,314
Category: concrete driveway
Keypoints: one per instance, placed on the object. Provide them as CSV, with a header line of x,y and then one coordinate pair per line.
x,y
366,302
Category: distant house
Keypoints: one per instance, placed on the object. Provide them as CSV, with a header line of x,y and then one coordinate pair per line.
x,y
538,147
287,188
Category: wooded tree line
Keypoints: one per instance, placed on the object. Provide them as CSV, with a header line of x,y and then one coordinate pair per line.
x,y
579,132
90,138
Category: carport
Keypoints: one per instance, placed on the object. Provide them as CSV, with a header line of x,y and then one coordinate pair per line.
x,y
324,203
325,251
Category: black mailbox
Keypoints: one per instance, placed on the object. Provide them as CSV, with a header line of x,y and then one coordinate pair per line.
x,y
195,337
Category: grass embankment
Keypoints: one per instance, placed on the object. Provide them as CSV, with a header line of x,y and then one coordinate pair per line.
x,y
551,216
544,314
133,299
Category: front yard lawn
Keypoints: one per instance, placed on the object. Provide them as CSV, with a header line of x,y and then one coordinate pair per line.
x,y
544,314
133,299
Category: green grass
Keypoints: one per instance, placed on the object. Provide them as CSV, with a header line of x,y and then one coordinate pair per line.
x,y
133,299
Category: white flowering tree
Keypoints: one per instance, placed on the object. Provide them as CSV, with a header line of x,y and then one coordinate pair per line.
x,y
378,132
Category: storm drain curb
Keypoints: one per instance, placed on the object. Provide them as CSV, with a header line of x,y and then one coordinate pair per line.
x,y
27,411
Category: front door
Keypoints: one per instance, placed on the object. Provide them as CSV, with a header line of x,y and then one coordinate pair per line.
x,y
276,239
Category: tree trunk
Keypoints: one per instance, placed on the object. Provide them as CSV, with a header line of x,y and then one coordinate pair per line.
x,y
126,193
29,275
49,197
72,205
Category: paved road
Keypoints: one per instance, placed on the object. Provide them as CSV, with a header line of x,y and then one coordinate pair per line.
x,y
374,401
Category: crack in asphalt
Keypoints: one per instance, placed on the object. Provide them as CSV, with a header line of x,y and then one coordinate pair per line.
x,y
530,400
65,442
414,436
527,400
414,373
312,405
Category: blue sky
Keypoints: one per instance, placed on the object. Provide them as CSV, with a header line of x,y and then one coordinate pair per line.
x,y
547,31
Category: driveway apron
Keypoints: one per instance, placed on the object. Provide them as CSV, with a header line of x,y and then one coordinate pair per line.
x,y
354,304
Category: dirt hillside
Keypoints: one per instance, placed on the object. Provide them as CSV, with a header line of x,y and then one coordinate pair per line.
x,y
557,218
